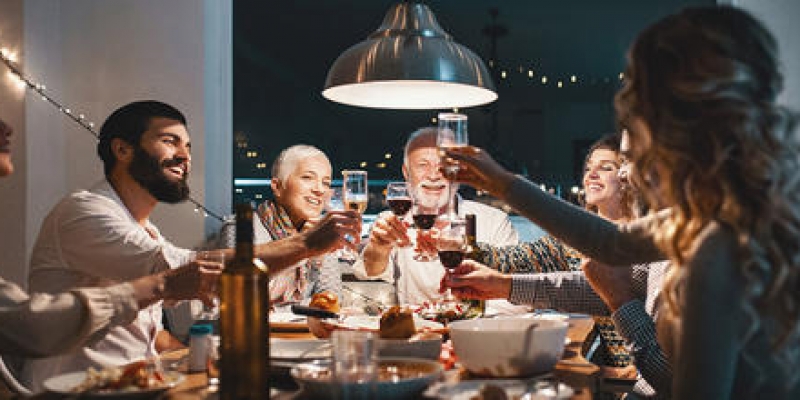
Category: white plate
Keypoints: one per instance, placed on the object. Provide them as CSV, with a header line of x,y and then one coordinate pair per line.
x,y
284,317
65,383
299,349
373,323
513,387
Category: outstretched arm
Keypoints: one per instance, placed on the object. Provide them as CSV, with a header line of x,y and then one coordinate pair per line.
x,y
586,232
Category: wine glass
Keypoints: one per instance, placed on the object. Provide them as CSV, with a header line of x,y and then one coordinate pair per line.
x,y
336,203
398,198
452,133
425,212
451,245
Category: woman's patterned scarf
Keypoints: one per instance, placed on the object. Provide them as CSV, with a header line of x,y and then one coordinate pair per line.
x,y
289,285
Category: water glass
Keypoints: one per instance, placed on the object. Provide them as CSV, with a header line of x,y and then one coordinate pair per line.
x,y
200,311
355,365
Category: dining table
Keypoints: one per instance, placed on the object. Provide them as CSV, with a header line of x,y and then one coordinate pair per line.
x,y
573,370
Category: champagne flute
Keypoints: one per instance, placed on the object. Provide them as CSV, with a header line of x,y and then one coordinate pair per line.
x,y
354,197
336,203
354,190
398,198
452,133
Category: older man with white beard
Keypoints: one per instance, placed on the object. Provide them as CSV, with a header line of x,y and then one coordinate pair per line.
x,y
389,255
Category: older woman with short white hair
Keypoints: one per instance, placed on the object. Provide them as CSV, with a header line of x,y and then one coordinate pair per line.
x,y
301,182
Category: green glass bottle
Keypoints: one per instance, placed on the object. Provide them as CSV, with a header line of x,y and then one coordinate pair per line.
x,y
244,313
476,308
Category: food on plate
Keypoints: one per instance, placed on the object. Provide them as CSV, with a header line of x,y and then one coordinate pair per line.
x,y
444,312
140,375
397,323
326,301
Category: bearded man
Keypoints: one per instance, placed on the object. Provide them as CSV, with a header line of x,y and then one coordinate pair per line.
x,y
103,235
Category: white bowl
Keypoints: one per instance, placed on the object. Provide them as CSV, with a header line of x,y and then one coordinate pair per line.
x,y
508,346
416,374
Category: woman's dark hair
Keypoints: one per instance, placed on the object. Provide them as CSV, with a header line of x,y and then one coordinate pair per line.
x,y
699,103
129,123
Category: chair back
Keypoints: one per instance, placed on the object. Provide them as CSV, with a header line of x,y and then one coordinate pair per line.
x,y
11,381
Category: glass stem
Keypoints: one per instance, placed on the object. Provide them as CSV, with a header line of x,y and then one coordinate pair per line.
x,y
451,205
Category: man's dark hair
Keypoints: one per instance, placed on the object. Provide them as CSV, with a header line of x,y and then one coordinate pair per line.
x,y
129,123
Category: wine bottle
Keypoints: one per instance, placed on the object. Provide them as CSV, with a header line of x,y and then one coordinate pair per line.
x,y
477,307
244,313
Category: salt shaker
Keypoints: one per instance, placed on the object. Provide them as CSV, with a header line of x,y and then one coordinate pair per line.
x,y
199,347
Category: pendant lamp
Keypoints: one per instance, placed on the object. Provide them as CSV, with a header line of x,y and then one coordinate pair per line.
x,y
410,62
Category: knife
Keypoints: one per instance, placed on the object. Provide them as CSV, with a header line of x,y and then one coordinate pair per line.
x,y
313,312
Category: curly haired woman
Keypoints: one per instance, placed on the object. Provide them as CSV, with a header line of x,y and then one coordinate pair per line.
x,y
711,145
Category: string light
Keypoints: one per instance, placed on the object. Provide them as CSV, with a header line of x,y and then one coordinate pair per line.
x,y
529,73
9,60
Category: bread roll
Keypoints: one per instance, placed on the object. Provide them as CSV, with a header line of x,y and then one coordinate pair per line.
x,y
326,301
397,323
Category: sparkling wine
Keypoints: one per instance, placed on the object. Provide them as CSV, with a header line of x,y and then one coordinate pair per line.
x,y
424,221
451,258
356,202
244,310
400,205
357,205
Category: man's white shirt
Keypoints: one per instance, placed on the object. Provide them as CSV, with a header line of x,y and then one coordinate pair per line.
x,y
418,281
91,239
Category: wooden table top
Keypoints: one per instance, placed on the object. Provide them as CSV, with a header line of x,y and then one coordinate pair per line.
x,y
573,370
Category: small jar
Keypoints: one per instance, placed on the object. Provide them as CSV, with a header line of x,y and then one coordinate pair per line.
x,y
199,347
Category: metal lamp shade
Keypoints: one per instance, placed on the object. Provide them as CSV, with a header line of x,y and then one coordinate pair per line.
x,y
409,63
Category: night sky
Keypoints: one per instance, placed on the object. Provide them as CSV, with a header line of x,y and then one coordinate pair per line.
x,y
282,52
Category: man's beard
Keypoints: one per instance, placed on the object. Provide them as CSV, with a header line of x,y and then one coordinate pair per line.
x,y
439,201
149,172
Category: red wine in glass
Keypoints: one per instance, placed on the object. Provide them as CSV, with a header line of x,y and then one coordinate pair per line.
x,y
424,221
451,258
400,205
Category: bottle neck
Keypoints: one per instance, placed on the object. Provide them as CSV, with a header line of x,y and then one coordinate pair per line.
x,y
244,251
471,236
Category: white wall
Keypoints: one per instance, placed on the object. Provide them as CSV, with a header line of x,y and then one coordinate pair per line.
x,y
96,55
12,205
781,18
